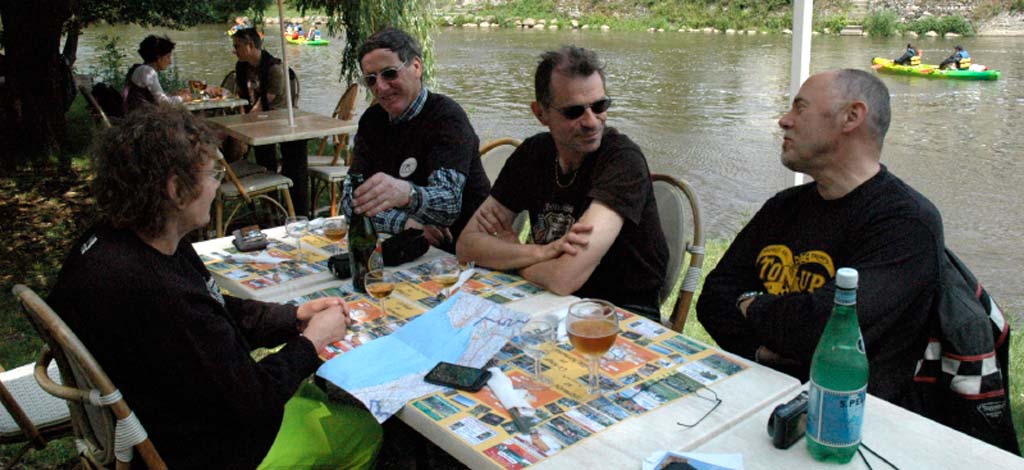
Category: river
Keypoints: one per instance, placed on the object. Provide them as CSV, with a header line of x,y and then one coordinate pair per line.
x,y
704,107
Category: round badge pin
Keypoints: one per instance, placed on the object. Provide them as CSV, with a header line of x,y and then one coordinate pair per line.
x,y
408,166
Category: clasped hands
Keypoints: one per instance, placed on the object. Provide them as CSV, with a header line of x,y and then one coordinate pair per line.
x,y
323,321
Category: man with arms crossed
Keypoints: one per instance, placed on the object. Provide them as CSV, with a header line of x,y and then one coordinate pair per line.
x,y
772,293
416,148
595,226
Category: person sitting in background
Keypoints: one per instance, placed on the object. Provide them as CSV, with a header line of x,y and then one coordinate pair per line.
x,y
139,297
960,59
908,57
596,231
142,85
314,34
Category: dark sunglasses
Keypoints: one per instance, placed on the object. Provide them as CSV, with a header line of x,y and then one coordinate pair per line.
x,y
389,74
577,110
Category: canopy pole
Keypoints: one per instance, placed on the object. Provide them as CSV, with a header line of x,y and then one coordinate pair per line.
x,y
800,65
284,60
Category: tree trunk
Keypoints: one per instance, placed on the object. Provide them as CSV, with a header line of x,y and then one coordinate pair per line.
x,y
35,99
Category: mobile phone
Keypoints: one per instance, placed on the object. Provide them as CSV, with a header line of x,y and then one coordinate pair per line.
x,y
466,378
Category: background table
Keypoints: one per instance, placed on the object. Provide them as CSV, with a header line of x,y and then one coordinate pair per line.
x,y
906,439
202,105
272,127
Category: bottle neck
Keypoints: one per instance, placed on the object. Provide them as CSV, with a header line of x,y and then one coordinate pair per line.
x,y
846,297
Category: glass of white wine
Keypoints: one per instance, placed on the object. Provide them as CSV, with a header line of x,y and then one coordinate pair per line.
x,y
335,229
445,271
379,284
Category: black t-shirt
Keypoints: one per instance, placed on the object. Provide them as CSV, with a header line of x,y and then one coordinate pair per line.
x,y
633,270
440,136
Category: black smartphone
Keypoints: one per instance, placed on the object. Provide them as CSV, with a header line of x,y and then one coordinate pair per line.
x,y
466,378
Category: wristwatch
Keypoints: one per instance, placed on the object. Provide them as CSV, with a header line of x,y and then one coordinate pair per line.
x,y
747,295
413,195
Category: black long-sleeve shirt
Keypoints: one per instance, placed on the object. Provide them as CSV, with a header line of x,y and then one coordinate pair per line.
x,y
179,351
791,249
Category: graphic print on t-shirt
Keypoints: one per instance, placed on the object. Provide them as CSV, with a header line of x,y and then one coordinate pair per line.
x,y
782,273
554,222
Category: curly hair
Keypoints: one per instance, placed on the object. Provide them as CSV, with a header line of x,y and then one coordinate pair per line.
x,y
153,47
571,61
134,160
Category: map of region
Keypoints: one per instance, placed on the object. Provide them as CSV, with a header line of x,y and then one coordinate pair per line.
x,y
388,372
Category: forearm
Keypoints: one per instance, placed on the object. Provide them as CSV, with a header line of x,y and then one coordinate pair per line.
x,y
440,201
490,251
263,324
557,275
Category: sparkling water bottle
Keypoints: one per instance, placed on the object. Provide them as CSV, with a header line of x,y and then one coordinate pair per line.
x,y
839,379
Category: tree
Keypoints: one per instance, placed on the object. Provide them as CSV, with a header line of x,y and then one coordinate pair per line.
x,y
361,18
39,86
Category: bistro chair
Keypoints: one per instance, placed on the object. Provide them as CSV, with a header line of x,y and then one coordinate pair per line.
x,y
329,171
106,431
244,184
95,108
493,155
29,415
676,199
229,83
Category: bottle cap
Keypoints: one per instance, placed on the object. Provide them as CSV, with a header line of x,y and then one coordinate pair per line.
x,y
846,278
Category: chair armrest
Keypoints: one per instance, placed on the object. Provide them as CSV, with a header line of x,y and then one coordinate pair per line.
x,y
51,387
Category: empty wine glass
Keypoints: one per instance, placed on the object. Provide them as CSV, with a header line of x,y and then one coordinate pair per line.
x,y
379,285
536,339
592,326
297,227
445,271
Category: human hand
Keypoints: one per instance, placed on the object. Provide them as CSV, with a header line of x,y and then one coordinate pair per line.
x,y
327,326
379,193
572,242
491,221
436,235
309,309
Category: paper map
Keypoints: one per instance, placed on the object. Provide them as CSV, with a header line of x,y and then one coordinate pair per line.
x,y
387,373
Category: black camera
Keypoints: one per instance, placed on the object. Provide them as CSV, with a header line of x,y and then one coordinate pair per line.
x,y
788,422
250,238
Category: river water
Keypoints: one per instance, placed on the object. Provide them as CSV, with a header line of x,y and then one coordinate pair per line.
x,y
704,108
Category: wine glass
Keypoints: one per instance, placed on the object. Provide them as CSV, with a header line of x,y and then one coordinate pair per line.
x,y
536,339
335,228
446,272
296,227
592,326
379,285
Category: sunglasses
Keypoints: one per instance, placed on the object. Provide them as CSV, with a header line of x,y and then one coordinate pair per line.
x,y
389,74
577,110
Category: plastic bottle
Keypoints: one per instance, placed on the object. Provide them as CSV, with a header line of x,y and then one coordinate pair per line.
x,y
362,241
839,379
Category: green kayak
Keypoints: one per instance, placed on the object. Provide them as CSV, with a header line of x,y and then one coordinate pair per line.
x,y
977,72
308,42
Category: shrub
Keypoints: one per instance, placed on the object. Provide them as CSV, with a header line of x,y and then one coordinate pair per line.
x,y
834,23
948,24
881,23
112,60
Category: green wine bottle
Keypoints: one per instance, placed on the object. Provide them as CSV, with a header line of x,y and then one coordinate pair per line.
x,y
362,239
839,379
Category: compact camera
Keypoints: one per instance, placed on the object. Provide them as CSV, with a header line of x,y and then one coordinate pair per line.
x,y
250,238
788,422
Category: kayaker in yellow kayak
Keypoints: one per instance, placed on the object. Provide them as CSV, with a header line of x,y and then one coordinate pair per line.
x,y
911,56
960,59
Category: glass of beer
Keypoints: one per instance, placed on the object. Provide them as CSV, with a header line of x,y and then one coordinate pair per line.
x,y
445,271
335,228
379,285
592,326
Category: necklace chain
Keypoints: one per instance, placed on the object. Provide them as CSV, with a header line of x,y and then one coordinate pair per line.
x,y
558,180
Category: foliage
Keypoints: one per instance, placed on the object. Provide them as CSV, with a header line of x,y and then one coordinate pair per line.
x,y
359,19
947,24
834,23
1017,6
882,23
112,62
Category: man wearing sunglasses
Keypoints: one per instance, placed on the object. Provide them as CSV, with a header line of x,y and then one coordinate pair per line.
x,y
416,148
595,227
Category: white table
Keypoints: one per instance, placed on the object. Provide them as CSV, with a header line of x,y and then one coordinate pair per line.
x,y
908,440
218,103
271,127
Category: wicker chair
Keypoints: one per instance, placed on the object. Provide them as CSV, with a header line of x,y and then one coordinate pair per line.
x,y
676,198
32,417
329,171
246,183
229,83
493,155
95,108
105,428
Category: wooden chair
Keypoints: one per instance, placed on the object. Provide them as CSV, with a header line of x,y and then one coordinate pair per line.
x,y
329,171
97,110
246,183
493,155
105,428
676,198
32,417
229,83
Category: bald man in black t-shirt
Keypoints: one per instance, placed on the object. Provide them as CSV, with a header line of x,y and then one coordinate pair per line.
x,y
595,227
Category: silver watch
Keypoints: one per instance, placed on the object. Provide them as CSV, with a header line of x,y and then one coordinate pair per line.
x,y
747,295
413,194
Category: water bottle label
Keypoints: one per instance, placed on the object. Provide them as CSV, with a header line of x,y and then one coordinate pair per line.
x,y
834,418
846,296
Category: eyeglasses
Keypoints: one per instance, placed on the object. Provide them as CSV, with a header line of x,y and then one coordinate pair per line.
x,y
575,111
389,74
713,399
218,172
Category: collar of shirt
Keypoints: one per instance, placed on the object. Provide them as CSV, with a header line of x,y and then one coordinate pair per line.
x,y
414,109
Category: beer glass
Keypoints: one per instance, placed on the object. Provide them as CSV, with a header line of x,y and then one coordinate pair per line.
x,y
379,285
592,326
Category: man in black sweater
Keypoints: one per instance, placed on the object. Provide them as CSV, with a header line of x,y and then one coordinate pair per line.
x,y
772,293
417,150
